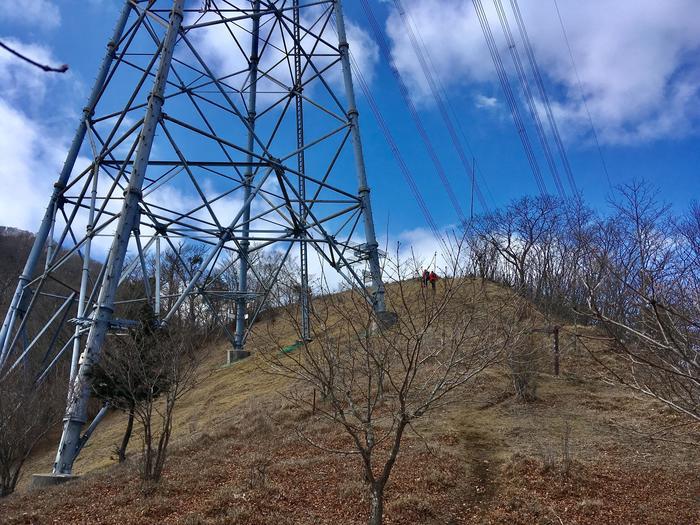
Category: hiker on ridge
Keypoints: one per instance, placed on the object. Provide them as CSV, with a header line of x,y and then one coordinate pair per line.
x,y
432,277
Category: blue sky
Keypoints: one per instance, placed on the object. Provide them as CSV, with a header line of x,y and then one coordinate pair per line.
x,y
638,64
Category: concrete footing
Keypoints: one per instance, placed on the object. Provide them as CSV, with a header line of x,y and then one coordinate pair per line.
x,y
236,355
40,481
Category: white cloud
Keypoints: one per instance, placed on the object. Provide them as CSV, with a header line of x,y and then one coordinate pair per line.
x,y
482,101
35,13
31,152
418,248
30,161
408,252
449,30
638,63
364,50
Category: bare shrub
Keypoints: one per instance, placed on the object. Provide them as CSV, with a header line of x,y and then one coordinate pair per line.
x,y
258,468
350,488
522,358
557,457
412,508
378,379
523,371
257,431
149,371
566,456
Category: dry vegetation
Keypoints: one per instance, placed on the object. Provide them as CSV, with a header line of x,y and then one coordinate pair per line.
x,y
581,453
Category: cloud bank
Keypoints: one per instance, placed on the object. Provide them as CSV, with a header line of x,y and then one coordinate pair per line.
x,y
638,62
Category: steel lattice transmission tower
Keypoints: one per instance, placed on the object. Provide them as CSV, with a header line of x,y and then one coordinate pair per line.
x,y
227,124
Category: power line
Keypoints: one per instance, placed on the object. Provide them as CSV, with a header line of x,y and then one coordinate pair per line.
x,y
484,182
510,97
529,99
543,94
384,48
583,95
438,94
388,136
410,180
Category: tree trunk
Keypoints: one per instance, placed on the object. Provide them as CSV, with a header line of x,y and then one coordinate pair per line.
x,y
163,440
127,436
376,514
147,460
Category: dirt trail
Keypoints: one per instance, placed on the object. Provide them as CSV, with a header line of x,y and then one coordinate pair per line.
x,y
484,452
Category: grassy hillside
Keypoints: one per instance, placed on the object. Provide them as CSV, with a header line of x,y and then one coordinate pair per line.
x,y
579,454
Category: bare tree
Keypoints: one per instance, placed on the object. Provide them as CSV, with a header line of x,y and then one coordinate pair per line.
x,y
522,355
49,69
535,244
116,388
145,374
482,256
27,412
377,379
653,314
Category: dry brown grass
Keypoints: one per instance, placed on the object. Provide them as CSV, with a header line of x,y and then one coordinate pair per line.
x,y
236,457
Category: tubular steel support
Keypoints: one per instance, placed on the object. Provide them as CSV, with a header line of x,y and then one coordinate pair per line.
x,y
241,305
372,246
18,304
96,421
84,279
157,292
301,166
76,411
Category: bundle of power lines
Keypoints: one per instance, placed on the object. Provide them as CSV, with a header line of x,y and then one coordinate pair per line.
x,y
449,116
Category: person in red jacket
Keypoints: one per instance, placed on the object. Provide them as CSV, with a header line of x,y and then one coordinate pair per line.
x,y
432,277
425,278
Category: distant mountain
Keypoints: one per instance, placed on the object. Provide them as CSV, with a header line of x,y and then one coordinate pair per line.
x,y
9,231
14,248
15,245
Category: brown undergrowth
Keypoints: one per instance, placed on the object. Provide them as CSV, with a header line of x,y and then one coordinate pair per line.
x,y
581,453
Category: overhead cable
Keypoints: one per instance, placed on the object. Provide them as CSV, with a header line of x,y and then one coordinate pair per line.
x,y
583,95
529,99
384,128
405,95
543,94
439,97
509,96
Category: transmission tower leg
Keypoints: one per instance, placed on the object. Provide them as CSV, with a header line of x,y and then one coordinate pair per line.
x,y
84,277
241,307
304,296
18,304
156,300
76,411
363,189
